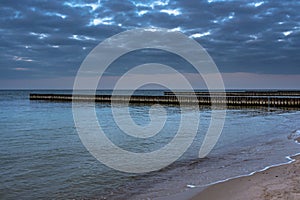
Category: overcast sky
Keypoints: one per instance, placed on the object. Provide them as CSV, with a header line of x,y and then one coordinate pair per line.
x,y
254,43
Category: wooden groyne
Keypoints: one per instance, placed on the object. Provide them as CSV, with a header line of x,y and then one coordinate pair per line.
x,y
268,101
277,93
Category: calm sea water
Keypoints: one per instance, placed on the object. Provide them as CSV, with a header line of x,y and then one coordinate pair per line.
x,y
41,155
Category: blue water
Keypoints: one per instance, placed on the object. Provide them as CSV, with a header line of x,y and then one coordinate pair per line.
x,y
41,155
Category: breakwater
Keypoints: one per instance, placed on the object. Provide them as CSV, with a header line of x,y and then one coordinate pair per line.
x,y
230,100
275,93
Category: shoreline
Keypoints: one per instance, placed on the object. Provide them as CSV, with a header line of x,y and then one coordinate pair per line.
x,y
273,182
236,187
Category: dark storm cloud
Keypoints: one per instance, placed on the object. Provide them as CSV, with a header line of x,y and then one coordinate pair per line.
x,y
42,39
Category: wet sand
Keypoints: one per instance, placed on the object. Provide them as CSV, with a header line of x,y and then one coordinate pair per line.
x,y
281,182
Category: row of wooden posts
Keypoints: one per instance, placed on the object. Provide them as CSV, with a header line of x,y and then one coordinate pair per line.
x,y
201,99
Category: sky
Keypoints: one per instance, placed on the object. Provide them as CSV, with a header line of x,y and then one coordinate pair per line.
x,y
255,44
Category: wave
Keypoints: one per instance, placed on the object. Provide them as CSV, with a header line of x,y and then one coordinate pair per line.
x,y
295,135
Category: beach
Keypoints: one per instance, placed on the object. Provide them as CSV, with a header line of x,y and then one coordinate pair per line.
x,y
280,182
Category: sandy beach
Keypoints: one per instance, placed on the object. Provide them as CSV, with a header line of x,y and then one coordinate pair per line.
x,y
280,182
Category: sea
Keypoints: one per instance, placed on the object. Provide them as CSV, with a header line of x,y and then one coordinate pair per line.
x,y
42,156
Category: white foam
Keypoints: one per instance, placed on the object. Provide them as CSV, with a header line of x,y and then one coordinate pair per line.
x,y
190,186
289,158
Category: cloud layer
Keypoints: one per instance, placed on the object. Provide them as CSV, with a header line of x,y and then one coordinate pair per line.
x,y
45,39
